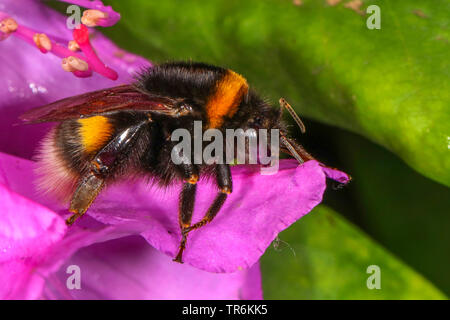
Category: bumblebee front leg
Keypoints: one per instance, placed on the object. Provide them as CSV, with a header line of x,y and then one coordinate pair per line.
x,y
224,182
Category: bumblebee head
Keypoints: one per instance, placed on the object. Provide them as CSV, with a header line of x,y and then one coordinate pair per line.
x,y
257,113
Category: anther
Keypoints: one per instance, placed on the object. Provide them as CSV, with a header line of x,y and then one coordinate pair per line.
x,y
71,64
73,46
8,25
91,17
42,41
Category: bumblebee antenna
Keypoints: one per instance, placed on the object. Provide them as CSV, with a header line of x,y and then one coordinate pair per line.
x,y
291,149
284,104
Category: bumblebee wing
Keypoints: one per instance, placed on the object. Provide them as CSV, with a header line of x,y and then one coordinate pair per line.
x,y
120,98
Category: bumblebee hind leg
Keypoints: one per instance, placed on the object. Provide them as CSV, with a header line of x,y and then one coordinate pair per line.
x,y
105,164
87,190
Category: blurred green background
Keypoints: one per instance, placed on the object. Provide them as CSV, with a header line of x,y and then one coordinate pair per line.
x,y
375,104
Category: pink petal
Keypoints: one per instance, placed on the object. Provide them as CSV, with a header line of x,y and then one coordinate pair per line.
x,y
36,248
128,268
27,232
259,208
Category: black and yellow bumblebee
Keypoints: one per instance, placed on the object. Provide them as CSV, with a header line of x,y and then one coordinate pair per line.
x,y
125,130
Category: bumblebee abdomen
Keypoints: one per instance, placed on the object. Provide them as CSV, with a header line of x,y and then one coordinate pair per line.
x,y
55,175
94,133
66,151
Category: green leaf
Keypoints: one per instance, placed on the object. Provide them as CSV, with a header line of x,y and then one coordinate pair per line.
x,y
323,256
404,211
390,85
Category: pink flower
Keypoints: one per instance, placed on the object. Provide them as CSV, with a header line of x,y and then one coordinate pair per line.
x,y
36,247
125,245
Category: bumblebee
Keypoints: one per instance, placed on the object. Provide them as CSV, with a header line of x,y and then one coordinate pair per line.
x,y
125,131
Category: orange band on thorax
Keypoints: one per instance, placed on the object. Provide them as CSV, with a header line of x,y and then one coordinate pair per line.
x,y
226,98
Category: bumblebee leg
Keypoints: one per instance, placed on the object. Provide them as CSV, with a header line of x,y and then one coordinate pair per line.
x,y
87,190
186,206
224,182
106,162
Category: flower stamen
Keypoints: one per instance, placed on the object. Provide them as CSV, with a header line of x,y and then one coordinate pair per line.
x,y
93,17
8,26
43,42
71,64
73,46
81,65
98,13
